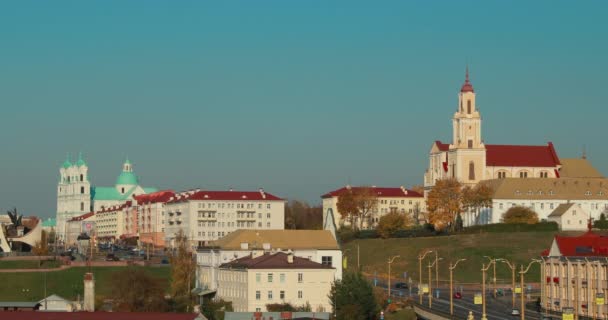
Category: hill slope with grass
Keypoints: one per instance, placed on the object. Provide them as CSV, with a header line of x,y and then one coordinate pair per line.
x,y
29,286
520,247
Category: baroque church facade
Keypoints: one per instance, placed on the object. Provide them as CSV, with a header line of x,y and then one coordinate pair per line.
x,y
76,196
470,160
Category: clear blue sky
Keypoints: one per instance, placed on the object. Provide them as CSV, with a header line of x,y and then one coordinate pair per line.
x,y
298,97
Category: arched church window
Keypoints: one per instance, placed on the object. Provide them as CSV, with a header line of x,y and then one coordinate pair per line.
x,y
471,171
469,106
82,190
470,144
68,179
81,177
122,190
82,206
523,174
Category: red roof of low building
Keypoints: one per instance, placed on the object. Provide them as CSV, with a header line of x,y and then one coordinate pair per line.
x,y
225,196
82,217
159,196
521,156
380,192
37,315
589,244
277,260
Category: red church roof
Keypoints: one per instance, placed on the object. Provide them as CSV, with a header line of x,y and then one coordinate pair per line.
x,y
82,217
381,192
521,156
442,146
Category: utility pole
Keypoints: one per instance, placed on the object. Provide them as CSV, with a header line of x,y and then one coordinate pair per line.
x,y
420,258
390,260
523,300
452,267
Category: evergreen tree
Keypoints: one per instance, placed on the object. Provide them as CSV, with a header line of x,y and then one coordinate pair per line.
x,y
353,298
459,223
602,223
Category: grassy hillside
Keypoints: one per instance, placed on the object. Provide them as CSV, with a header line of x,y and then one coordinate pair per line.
x,y
29,286
517,246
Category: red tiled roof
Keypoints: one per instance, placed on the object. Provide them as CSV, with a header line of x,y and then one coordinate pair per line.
x,y
381,192
116,207
442,146
225,195
277,260
159,196
36,315
521,156
82,217
589,244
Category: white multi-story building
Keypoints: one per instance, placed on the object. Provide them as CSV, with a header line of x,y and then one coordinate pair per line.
x,y
319,246
254,281
204,216
76,196
543,196
149,217
399,200
110,221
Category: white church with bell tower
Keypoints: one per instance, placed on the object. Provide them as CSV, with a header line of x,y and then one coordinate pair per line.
x,y
469,160
76,196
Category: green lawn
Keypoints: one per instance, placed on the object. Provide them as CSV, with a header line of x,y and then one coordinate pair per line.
x,y
405,314
517,246
28,264
66,283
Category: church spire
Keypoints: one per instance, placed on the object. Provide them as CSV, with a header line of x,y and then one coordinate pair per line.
x,y
467,86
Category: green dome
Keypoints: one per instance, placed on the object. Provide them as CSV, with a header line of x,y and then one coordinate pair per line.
x,y
67,162
80,162
128,178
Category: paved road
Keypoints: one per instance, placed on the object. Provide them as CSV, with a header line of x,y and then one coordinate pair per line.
x,y
499,308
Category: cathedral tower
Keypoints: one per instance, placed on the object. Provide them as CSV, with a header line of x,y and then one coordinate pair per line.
x,y
467,153
73,192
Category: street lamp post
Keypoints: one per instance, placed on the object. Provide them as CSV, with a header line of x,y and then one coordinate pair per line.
x,y
436,269
512,267
430,286
494,279
484,268
452,267
390,260
420,258
521,274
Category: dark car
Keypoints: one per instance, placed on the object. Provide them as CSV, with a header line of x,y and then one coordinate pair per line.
x,y
112,257
457,295
401,285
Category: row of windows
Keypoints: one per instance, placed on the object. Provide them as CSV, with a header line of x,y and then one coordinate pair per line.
x,y
551,193
270,277
542,206
258,295
393,202
230,205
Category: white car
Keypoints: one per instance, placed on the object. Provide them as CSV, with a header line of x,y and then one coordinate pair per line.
x,y
515,312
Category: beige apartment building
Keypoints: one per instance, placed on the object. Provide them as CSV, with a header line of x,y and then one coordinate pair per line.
x,y
315,245
254,281
575,275
150,218
399,200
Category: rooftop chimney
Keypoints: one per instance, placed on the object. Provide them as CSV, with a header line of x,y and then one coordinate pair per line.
x,y
290,257
89,292
262,193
